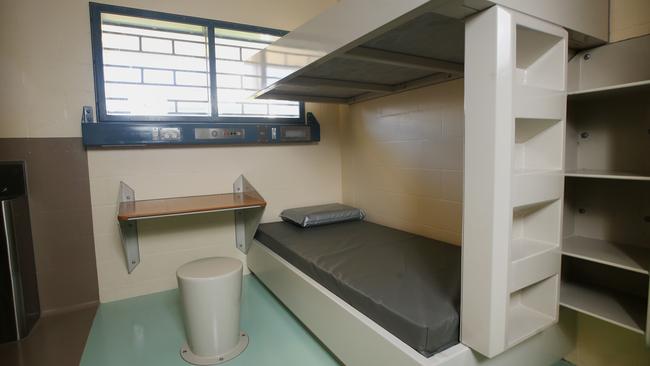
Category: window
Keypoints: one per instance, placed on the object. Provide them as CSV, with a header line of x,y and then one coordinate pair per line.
x,y
160,67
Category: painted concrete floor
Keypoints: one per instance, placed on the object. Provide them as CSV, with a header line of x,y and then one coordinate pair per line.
x,y
148,330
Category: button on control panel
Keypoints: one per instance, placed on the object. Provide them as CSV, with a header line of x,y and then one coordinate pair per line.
x,y
218,133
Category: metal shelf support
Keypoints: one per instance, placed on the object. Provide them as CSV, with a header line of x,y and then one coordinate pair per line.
x,y
129,230
246,221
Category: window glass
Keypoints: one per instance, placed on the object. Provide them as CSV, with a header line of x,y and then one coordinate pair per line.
x,y
154,67
157,67
237,80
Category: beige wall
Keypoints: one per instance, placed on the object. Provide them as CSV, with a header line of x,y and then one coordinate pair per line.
x,y
628,19
46,77
403,160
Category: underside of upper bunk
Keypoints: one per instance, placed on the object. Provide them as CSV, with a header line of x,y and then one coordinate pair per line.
x,y
364,49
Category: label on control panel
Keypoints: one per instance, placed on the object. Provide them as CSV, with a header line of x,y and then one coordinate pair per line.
x,y
218,133
170,134
165,134
295,134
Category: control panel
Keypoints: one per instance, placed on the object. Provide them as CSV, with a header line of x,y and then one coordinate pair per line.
x,y
144,134
219,133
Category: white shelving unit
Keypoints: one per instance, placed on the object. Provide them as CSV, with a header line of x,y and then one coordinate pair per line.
x,y
606,244
515,93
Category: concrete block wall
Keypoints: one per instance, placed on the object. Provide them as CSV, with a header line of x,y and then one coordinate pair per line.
x,y
402,160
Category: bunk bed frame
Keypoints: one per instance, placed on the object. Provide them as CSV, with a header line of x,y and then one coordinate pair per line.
x,y
513,56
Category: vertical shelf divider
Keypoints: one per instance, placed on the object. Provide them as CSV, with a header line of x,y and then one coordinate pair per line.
x,y
515,102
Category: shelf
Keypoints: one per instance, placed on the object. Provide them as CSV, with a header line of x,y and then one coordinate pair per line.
x,y
605,174
538,222
538,144
536,186
629,87
532,309
623,310
524,248
144,209
627,257
524,322
530,102
539,55
531,262
535,244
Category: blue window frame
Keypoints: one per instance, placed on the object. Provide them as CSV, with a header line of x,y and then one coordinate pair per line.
x,y
153,67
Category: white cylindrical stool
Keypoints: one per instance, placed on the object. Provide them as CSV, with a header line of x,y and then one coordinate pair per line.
x,y
211,298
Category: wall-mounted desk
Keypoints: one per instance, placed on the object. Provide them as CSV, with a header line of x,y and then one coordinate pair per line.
x,y
247,204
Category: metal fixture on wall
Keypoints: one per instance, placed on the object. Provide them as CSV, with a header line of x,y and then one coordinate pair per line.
x,y
19,302
111,134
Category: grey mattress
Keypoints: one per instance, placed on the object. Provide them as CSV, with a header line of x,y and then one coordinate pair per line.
x,y
408,284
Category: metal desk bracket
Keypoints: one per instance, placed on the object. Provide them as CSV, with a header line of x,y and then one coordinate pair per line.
x,y
246,221
129,230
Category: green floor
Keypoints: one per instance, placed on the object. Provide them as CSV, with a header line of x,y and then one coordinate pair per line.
x,y
148,330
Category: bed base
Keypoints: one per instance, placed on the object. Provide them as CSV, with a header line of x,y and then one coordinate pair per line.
x,y
357,340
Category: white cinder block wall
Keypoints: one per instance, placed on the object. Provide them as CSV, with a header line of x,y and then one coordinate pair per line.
x,y
403,160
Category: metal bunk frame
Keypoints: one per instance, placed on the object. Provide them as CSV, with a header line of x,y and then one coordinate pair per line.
x,y
363,49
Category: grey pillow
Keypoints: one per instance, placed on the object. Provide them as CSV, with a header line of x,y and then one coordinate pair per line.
x,y
322,214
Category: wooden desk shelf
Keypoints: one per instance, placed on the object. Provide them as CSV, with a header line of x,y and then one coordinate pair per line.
x,y
147,209
246,203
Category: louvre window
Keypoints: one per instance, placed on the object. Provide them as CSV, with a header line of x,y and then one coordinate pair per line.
x,y
236,80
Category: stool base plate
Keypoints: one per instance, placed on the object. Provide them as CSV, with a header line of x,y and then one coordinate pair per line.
x,y
188,356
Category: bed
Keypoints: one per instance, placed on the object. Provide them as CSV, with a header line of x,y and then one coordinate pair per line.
x,y
407,284
324,275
